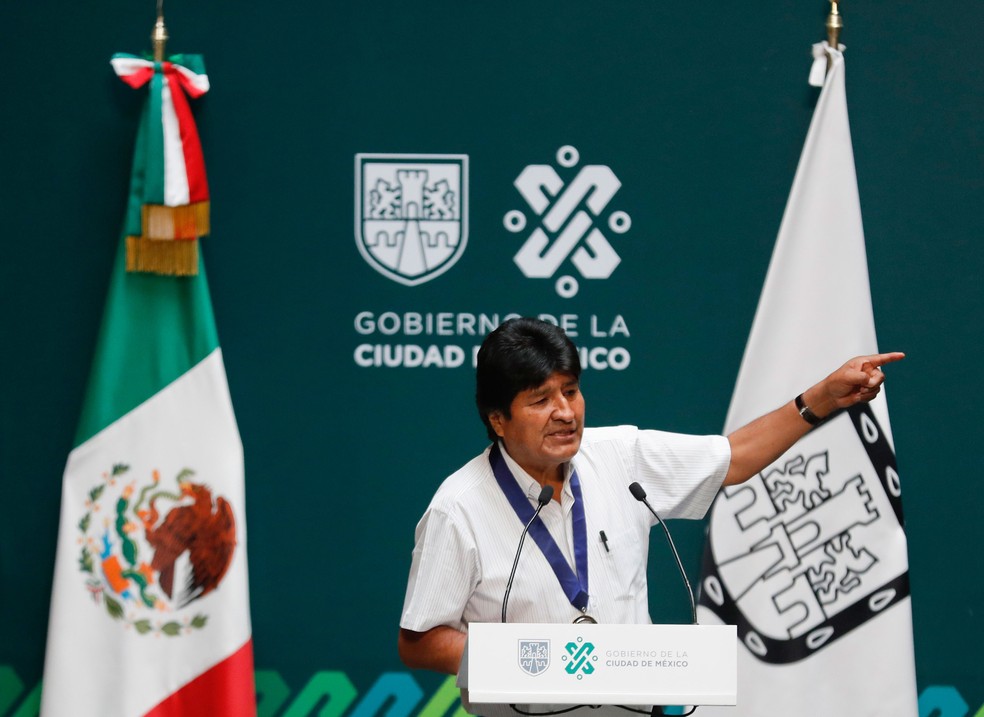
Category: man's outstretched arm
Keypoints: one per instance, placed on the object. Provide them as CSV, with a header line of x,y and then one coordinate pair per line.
x,y
759,443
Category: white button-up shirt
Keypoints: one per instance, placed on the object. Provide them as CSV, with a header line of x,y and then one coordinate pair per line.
x,y
467,539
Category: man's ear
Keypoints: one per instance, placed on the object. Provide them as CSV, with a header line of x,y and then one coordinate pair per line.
x,y
496,419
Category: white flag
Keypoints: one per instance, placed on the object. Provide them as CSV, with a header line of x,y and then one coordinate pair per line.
x,y
809,558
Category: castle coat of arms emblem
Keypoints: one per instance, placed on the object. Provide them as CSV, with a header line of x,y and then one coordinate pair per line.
x,y
534,656
411,213
810,549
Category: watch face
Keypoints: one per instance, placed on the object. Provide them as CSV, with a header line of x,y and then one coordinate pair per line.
x,y
809,549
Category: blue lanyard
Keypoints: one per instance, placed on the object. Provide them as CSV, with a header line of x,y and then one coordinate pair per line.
x,y
575,586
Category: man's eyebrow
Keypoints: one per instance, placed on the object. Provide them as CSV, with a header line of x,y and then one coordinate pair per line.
x,y
543,389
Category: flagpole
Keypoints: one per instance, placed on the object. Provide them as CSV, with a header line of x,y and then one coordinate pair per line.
x,y
159,36
835,23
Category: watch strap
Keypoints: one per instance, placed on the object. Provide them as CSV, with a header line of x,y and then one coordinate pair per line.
x,y
808,415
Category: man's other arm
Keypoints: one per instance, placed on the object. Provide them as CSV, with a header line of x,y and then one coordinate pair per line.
x,y
439,649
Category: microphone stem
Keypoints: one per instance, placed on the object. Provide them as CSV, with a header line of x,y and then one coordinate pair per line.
x,y
639,494
512,574
544,499
676,555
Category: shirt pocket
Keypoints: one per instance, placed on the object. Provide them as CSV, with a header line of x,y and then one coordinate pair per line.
x,y
624,562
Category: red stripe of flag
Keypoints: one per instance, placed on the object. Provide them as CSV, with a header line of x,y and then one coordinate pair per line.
x,y
225,690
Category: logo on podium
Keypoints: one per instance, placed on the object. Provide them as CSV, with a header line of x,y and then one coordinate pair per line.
x,y
579,660
534,656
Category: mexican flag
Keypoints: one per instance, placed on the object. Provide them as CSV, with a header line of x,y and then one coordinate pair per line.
x,y
809,558
150,608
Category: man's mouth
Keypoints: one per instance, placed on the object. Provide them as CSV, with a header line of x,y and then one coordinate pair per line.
x,y
564,433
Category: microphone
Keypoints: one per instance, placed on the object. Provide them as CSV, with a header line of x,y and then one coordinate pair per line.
x,y
546,493
640,495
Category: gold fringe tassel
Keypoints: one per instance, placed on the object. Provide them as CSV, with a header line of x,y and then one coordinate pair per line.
x,y
189,221
170,258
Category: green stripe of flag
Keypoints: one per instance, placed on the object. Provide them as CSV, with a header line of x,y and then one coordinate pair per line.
x,y
154,329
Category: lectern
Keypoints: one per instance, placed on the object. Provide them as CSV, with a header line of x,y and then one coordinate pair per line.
x,y
587,664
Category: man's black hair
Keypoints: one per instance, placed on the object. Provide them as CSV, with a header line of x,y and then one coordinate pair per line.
x,y
519,354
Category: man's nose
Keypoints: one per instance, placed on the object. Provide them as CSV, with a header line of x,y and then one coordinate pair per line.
x,y
563,410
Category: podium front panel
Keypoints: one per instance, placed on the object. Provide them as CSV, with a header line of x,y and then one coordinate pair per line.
x,y
585,664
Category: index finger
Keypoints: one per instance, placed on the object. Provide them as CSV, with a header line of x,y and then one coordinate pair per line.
x,y
879,360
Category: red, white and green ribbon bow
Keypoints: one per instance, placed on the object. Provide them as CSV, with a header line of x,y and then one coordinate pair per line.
x,y
169,197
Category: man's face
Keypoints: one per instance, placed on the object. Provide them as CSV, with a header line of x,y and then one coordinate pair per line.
x,y
545,428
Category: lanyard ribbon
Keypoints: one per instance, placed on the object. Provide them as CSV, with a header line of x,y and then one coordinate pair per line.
x,y
575,586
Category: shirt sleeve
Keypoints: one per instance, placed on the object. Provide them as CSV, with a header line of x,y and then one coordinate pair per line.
x,y
443,574
681,473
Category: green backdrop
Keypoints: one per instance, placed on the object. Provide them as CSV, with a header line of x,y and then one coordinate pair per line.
x,y
700,110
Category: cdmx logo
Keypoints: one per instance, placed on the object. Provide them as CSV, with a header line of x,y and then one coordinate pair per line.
x,y
579,658
411,213
568,217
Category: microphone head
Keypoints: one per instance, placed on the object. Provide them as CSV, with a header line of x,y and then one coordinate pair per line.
x,y
546,493
637,492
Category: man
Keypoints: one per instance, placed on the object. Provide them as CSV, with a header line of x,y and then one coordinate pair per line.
x,y
528,396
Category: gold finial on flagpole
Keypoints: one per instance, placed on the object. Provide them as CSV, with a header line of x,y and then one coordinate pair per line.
x,y
834,25
159,36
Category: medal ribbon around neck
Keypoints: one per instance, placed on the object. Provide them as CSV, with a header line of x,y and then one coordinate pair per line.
x,y
575,587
